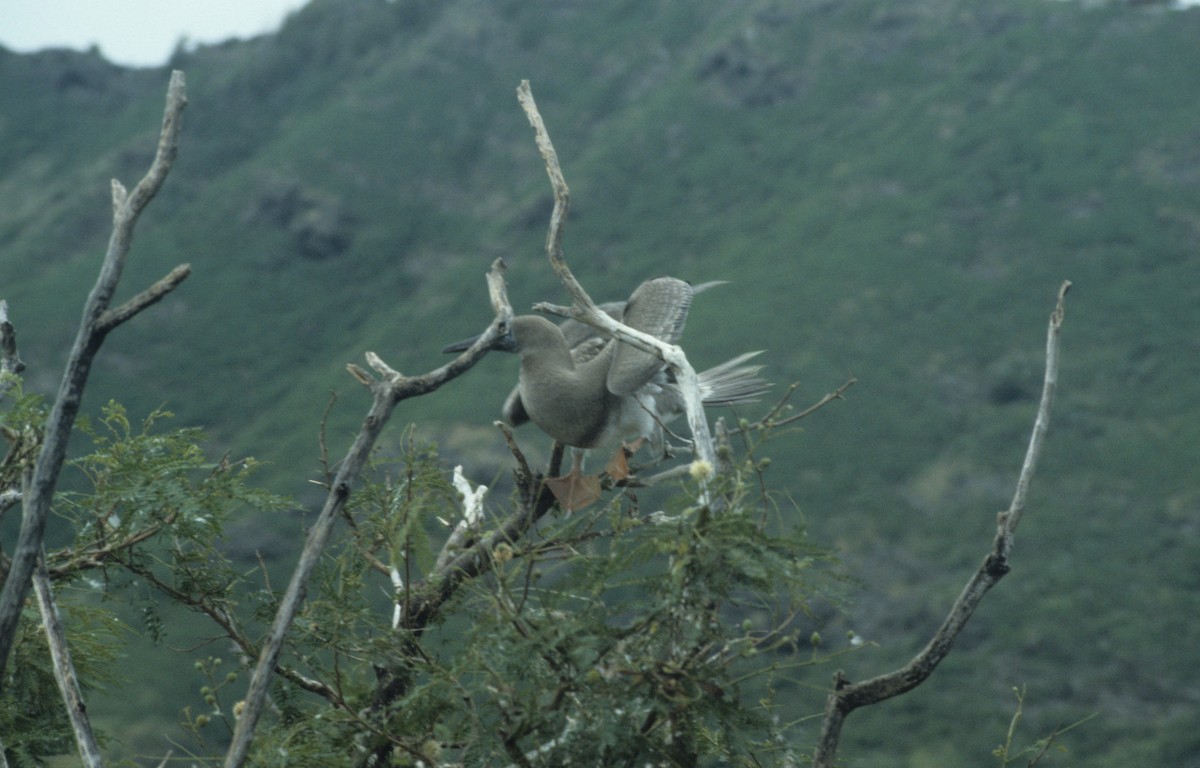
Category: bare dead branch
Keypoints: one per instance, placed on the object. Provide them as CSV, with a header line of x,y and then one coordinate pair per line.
x,y
127,208
1012,517
518,454
469,555
152,295
164,156
846,696
562,197
386,394
9,498
586,310
465,531
10,361
10,367
440,584
64,669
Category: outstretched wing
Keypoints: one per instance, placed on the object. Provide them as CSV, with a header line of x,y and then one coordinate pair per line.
x,y
658,307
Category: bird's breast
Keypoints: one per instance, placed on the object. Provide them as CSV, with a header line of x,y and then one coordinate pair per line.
x,y
573,411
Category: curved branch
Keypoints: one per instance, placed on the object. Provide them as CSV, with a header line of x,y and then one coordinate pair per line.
x,y
226,621
562,199
846,696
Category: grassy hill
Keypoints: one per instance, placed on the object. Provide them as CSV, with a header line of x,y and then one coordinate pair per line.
x,y
894,192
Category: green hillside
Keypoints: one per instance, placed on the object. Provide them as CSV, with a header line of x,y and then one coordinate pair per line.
x,y
895,192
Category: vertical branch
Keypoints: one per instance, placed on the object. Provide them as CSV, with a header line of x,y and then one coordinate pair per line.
x,y
64,670
1040,425
10,367
127,208
562,198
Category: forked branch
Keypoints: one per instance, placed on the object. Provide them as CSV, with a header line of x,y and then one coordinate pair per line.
x,y
95,325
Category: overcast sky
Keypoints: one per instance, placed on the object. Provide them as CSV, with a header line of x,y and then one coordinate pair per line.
x,y
134,32
142,32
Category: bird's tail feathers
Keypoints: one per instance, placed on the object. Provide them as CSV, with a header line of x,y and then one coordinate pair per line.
x,y
732,382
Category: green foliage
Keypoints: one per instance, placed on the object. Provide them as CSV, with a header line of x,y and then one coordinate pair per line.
x,y
159,488
150,521
622,636
21,424
397,513
33,718
33,721
216,709
627,635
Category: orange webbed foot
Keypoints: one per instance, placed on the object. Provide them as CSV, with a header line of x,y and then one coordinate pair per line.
x,y
574,491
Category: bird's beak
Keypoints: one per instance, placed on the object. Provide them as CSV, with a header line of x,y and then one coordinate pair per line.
x,y
506,343
460,346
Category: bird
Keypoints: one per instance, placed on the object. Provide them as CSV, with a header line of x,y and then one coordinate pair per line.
x,y
584,340
590,391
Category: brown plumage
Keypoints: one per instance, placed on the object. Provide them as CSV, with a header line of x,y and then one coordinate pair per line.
x,y
589,391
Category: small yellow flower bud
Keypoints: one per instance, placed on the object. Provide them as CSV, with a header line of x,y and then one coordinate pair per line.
x,y
503,552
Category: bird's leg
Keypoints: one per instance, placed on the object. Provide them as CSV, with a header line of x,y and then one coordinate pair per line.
x,y
573,490
618,465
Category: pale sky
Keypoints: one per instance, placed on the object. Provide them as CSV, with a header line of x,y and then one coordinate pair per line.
x,y
144,32
134,32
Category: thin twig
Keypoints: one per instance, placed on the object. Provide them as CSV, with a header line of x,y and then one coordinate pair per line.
x,y
226,621
837,394
769,420
1049,388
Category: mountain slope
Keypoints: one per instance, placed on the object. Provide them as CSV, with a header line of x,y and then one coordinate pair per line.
x,y
895,193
